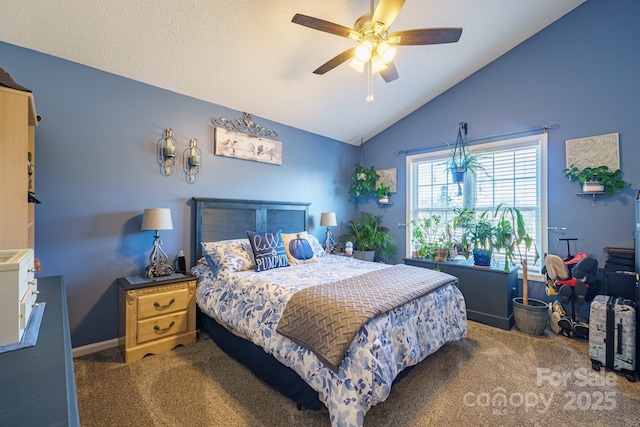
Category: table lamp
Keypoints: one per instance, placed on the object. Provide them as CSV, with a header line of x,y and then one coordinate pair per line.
x,y
157,219
328,219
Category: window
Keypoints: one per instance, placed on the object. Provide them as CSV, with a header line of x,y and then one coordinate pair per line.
x,y
513,172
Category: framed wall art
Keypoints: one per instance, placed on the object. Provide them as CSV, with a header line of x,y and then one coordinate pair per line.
x,y
229,143
388,177
594,151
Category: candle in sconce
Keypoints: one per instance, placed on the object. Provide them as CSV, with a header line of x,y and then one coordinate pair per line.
x,y
194,159
169,149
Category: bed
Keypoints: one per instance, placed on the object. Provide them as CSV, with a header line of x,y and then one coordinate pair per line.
x,y
251,314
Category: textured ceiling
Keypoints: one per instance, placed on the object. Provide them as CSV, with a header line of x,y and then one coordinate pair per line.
x,y
249,56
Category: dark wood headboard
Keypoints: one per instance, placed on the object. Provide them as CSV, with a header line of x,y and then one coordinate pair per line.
x,y
223,219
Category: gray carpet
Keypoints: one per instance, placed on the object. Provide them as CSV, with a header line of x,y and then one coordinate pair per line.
x,y
547,381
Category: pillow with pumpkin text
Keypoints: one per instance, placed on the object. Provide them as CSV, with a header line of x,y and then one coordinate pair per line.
x,y
268,250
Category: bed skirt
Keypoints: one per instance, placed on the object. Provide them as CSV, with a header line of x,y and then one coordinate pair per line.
x,y
264,366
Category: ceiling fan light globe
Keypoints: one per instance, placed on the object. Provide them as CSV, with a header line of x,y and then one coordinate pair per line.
x,y
364,50
357,65
386,52
377,65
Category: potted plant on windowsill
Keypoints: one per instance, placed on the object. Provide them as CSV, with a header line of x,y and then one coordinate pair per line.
x,y
431,238
598,179
369,235
477,234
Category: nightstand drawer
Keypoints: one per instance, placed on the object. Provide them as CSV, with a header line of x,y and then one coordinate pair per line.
x,y
27,303
162,326
160,303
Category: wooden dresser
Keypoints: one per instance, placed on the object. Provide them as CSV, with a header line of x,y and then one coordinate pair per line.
x,y
155,315
37,384
17,159
18,293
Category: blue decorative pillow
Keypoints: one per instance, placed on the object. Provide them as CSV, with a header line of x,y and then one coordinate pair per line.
x,y
268,250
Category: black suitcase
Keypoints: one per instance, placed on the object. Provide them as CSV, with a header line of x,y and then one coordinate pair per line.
x,y
612,335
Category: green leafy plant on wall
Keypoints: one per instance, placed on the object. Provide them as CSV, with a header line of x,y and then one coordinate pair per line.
x,y
611,180
363,183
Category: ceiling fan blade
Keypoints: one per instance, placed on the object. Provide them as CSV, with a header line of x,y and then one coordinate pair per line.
x,y
335,61
385,13
321,25
390,73
425,36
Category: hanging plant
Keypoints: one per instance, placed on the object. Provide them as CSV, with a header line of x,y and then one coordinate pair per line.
x,y
459,156
461,160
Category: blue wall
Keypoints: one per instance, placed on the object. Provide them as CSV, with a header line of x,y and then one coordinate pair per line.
x,y
97,172
96,168
581,72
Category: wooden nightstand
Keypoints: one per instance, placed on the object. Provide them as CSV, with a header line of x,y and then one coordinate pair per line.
x,y
155,315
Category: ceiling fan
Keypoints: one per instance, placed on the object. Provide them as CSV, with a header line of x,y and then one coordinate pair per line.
x,y
376,46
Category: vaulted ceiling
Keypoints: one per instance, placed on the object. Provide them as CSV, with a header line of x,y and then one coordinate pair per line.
x,y
249,56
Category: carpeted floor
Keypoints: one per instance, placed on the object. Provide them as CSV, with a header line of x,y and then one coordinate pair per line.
x,y
545,381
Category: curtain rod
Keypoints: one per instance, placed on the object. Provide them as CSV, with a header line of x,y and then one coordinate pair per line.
x,y
545,127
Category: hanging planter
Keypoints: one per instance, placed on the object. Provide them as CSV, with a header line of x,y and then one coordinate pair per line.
x,y
459,157
457,174
461,160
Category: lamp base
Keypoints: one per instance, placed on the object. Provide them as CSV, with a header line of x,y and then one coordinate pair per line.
x,y
159,271
158,261
329,243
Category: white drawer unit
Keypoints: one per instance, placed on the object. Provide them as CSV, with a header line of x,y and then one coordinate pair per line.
x,y
18,293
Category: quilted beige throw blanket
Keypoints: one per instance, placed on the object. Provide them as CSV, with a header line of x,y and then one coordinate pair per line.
x,y
326,318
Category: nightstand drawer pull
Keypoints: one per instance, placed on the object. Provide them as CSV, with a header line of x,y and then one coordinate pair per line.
x,y
164,307
162,331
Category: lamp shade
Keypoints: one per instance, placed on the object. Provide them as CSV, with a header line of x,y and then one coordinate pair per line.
x,y
328,219
157,219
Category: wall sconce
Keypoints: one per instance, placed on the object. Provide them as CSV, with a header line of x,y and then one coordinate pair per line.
x,y
167,153
191,161
157,219
328,219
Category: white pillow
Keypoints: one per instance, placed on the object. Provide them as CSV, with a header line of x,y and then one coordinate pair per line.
x,y
316,246
228,256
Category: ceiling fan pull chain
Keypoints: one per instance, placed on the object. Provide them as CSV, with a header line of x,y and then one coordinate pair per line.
x,y
369,83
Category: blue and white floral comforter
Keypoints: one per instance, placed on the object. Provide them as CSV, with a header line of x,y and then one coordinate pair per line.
x,y
252,303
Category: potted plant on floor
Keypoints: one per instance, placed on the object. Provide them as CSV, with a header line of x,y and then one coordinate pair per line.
x,y
598,179
369,235
530,314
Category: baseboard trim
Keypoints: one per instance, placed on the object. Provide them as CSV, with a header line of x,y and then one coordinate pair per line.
x,y
95,347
